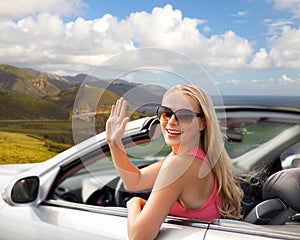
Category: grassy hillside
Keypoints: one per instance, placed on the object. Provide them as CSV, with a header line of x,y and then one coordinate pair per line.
x,y
20,148
15,79
35,113
9,72
20,106
86,99
54,131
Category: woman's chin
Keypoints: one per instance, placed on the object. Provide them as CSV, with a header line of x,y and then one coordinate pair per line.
x,y
172,142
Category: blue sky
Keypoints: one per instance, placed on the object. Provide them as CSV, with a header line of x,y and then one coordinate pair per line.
x,y
246,46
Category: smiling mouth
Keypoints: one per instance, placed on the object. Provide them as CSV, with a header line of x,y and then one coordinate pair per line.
x,y
173,132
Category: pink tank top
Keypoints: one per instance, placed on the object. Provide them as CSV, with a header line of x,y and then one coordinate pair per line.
x,y
208,211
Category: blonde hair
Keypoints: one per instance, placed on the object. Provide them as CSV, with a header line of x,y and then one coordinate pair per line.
x,y
229,189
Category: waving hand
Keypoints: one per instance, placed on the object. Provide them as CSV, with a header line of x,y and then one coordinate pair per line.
x,y
116,123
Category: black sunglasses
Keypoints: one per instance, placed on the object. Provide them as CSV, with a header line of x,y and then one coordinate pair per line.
x,y
182,116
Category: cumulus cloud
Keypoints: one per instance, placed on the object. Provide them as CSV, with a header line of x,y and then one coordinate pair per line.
x,y
261,60
292,5
285,49
281,85
283,40
35,35
21,8
228,51
234,82
286,79
45,38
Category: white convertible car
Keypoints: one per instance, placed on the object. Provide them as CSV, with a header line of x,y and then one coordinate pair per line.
x,y
78,194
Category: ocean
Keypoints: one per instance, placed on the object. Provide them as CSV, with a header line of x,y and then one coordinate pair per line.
x,y
276,101
235,100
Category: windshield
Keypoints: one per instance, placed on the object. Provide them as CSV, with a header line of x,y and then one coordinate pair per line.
x,y
254,134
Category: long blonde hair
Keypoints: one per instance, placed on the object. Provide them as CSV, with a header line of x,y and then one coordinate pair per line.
x,y
229,189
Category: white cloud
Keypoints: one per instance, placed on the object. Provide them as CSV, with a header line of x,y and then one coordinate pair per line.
x,y
292,5
168,29
22,8
284,44
206,29
228,51
283,85
240,14
46,42
255,81
275,26
261,60
285,49
45,38
284,78
234,82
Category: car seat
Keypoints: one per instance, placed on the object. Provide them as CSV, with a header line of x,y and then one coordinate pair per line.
x,y
281,199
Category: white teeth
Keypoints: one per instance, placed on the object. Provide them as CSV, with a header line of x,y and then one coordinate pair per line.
x,y
173,132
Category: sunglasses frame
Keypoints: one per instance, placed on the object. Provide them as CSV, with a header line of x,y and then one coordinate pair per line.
x,y
194,114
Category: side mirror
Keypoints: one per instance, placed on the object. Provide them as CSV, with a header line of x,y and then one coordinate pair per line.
x,y
25,190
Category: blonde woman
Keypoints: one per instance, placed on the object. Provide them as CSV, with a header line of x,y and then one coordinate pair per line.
x,y
195,180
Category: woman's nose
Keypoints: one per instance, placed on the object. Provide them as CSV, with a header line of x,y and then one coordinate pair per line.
x,y
173,120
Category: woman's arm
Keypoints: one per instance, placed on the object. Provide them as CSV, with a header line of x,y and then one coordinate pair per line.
x,y
134,179
146,218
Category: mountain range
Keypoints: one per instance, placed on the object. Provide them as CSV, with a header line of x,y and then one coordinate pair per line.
x,y
30,94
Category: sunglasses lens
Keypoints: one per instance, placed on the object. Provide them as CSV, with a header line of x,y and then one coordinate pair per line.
x,y
164,114
184,116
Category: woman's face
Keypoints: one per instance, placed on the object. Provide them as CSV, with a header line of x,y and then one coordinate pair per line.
x,y
182,136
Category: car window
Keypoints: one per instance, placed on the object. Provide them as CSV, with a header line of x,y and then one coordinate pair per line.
x,y
97,179
254,133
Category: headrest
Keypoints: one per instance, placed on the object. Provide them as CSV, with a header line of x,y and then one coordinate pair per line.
x,y
284,185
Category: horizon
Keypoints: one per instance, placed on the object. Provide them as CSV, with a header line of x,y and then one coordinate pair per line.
x,y
243,95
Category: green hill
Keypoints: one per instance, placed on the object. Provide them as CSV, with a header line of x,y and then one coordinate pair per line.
x,y
30,82
33,150
86,99
19,106
41,95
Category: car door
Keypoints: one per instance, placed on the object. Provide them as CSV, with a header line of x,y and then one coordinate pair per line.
x,y
109,223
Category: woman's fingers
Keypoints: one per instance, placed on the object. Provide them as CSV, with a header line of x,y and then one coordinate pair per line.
x,y
119,106
112,111
136,201
123,108
115,125
118,109
117,118
124,122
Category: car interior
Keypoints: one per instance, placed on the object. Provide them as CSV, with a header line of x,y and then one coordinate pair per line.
x,y
278,204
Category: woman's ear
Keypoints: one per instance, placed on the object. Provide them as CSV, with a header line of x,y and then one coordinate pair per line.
x,y
202,124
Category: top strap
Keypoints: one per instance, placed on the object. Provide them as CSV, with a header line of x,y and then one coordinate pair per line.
x,y
197,152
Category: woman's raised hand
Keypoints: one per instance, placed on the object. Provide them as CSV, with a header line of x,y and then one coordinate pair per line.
x,y
116,123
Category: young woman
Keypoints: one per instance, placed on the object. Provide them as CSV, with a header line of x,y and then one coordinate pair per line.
x,y
195,180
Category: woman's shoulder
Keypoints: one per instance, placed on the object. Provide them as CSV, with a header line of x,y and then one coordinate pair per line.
x,y
177,161
173,169
185,160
